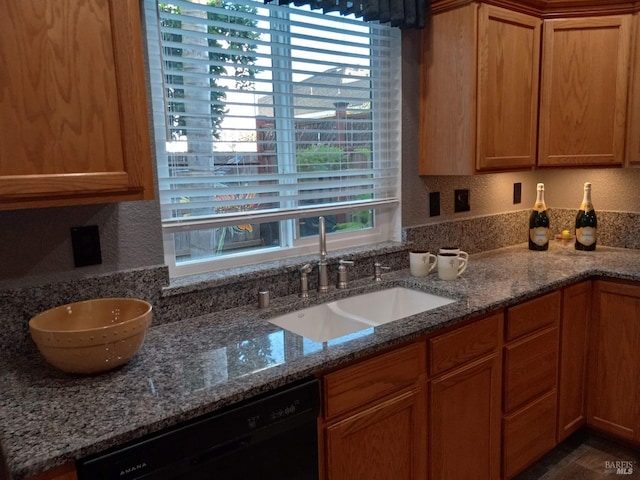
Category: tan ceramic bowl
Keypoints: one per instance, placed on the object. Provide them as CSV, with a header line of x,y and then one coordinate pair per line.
x,y
91,336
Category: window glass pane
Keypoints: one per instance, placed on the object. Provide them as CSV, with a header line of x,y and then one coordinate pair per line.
x,y
271,115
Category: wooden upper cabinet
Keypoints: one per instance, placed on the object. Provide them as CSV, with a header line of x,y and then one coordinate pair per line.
x,y
479,91
73,111
583,92
508,66
633,119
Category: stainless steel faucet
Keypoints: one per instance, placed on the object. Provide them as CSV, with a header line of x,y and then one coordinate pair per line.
x,y
323,277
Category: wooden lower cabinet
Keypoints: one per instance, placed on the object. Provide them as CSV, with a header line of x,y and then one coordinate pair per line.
x,y
576,311
63,472
382,442
464,422
528,434
530,382
613,404
531,368
375,417
465,402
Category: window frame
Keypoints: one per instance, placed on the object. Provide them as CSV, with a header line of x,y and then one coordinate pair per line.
x,y
387,225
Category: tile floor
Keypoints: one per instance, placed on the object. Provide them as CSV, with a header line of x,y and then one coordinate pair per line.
x,y
584,456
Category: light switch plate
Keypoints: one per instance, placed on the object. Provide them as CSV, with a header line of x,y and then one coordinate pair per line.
x,y
517,193
85,242
434,204
461,201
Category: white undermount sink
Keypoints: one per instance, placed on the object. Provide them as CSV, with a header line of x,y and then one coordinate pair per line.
x,y
348,315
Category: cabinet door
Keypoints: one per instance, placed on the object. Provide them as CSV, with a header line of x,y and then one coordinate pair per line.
x,y
530,368
529,434
464,419
633,126
508,72
448,93
479,91
576,308
73,111
583,93
614,367
64,472
385,441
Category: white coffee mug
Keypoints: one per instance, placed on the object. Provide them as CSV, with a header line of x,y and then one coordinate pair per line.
x,y
450,266
421,262
456,250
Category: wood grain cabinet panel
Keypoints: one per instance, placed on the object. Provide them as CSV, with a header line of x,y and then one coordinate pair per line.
x,y
530,381
375,417
370,380
479,91
464,344
533,315
385,441
73,110
465,401
528,434
633,119
531,368
576,311
465,422
63,472
583,92
614,366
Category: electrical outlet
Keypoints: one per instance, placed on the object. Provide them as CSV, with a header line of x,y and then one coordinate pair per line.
x,y
85,242
434,204
517,193
461,201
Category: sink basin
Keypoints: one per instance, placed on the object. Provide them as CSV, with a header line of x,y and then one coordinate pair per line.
x,y
384,306
348,315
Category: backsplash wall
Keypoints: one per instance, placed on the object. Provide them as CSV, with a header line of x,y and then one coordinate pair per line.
x,y
239,287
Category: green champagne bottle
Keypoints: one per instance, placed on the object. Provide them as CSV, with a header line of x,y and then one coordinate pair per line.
x,y
586,222
539,223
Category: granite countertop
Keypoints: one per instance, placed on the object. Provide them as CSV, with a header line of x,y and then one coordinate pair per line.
x,y
197,365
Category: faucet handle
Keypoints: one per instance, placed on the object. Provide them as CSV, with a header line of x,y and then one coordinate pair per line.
x,y
343,274
304,280
377,271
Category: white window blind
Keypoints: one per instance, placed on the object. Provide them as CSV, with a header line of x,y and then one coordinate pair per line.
x,y
307,69
273,113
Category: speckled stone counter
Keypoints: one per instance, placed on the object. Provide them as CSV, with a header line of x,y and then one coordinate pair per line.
x,y
198,365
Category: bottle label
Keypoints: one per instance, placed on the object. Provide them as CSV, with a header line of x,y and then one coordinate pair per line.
x,y
539,236
586,235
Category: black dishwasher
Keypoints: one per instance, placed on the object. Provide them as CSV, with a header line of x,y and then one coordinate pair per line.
x,y
273,436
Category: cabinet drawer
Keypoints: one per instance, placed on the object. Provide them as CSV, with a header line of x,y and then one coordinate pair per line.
x,y
373,379
533,315
528,434
464,344
531,368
